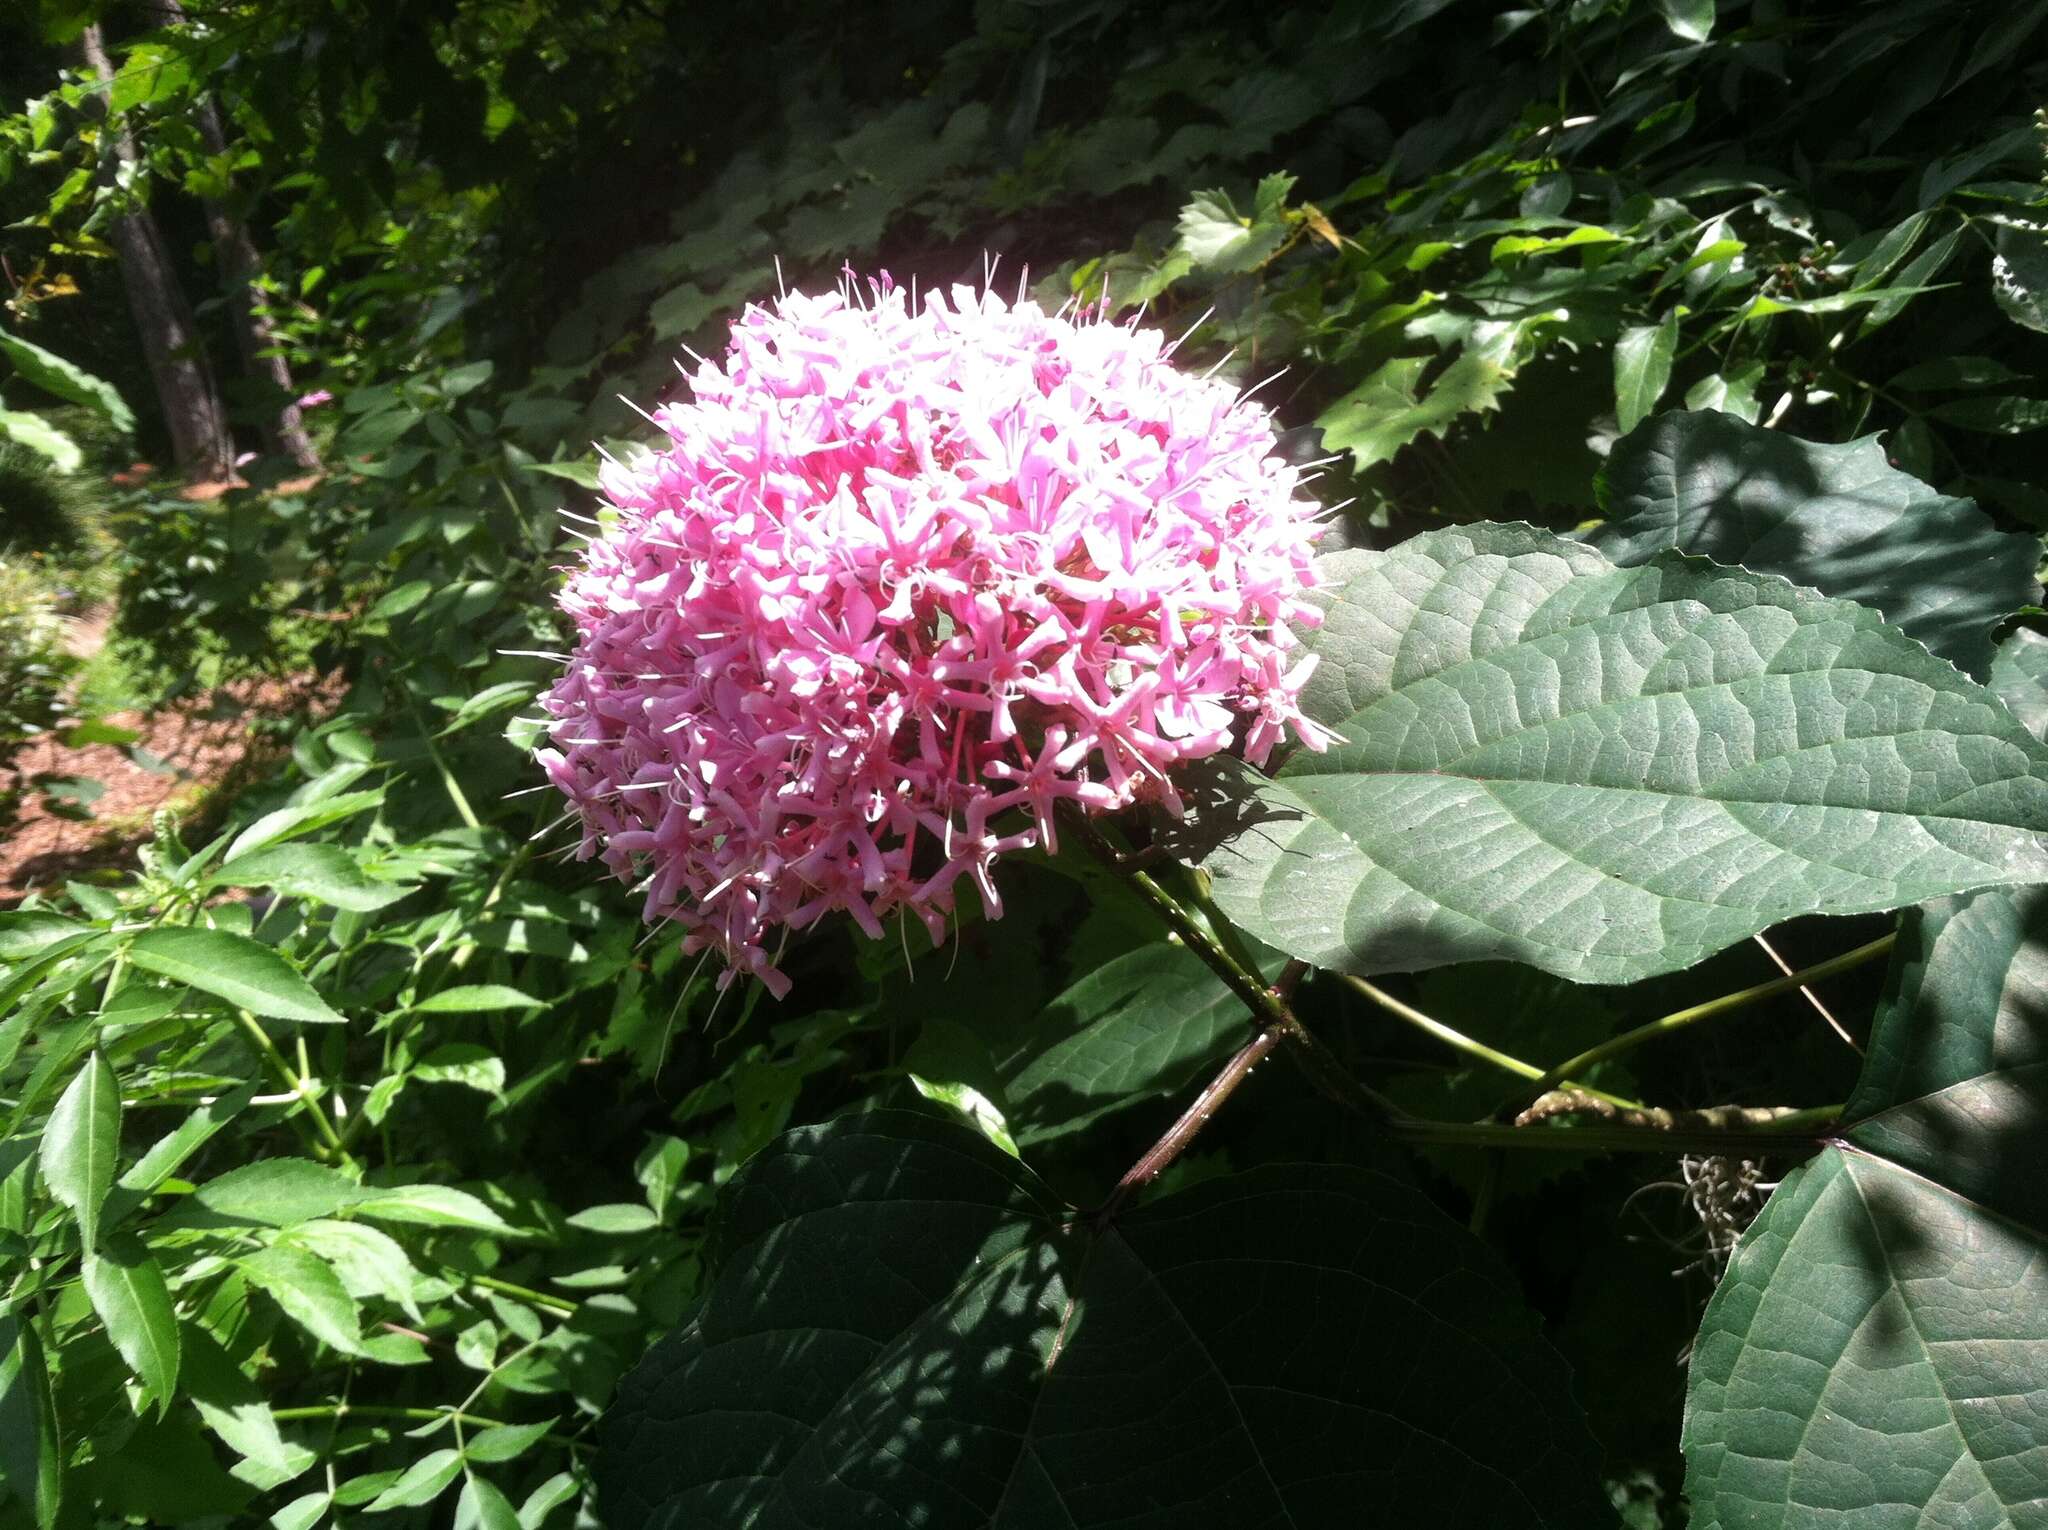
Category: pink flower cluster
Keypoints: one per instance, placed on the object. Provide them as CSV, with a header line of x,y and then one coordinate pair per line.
x,y
904,580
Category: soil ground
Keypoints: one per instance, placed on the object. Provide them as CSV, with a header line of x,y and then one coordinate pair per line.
x,y
199,742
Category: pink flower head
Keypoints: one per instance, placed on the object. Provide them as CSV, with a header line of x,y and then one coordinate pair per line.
x,y
314,399
901,583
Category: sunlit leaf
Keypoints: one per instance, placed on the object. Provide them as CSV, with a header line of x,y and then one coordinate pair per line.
x,y
1609,773
80,1141
233,967
128,1292
53,374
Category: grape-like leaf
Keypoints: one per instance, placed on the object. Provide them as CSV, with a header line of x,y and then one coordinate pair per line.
x,y
1875,1356
906,1328
1610,773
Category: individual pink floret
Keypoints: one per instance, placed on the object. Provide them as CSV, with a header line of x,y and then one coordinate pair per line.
x,y
904,581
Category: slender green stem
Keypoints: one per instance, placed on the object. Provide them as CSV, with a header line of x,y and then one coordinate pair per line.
x,y
1430,1025
448,782
560,1304
1787,1136
1268,1006
1245,984
413,1415
1678,1020
1813,1118
329,1143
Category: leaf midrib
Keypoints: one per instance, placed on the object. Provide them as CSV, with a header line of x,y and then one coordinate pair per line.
x,y
1313,767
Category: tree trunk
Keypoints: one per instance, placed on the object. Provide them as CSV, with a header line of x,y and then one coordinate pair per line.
x,y
241,267
185,390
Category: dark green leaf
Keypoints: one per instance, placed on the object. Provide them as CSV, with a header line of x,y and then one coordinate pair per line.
x,y
233,1407
474,998
582,474
164,1473
398,601
424,1481
507,1441
1946,372
169,1153
310,1293
465,1063
618,1217
277,1192
1995,416
1383,413
546,1498
483,1507
488,703
233,967
322,873
23,935
369,1262
31,1462
1140,1025
1217,239
430,1206
53,374
907,1329
304,818
1839,518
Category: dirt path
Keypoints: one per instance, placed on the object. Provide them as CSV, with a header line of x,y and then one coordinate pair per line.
x,y
200,743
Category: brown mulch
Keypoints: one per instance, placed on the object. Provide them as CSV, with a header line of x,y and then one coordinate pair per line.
x,y
201,742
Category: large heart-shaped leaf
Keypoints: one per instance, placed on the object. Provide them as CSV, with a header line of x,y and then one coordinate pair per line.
x,y
1877,1355
1610,773
1839,518
907,1329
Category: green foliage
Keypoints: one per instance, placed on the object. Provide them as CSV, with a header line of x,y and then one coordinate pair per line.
x,y
34,670
1615,202
1837,516
47,513
354,1157
1888,1307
